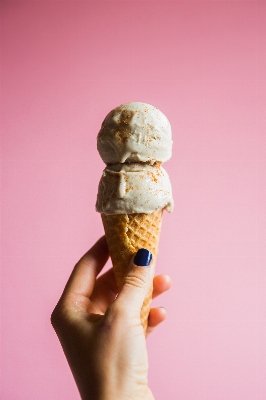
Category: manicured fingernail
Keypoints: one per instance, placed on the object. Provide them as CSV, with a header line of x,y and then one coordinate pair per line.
x,y
143,258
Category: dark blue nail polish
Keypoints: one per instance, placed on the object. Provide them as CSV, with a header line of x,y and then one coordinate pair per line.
x,y
143,258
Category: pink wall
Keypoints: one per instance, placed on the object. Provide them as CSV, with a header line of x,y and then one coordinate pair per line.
x,y
65,64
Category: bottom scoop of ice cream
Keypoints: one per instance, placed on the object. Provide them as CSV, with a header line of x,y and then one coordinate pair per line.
x,y
134,188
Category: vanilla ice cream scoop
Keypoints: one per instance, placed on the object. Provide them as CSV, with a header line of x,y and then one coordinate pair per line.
x,y
134,188
135,132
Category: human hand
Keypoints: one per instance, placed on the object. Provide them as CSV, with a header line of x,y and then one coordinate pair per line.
x,y
101,333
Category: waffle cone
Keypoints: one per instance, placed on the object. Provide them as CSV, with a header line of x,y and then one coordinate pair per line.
x,y
125,235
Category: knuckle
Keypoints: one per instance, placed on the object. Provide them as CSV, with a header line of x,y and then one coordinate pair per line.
x,y
59,316
136,281
86,261
55,317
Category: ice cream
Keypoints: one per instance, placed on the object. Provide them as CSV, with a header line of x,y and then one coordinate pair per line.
x,y
135,138
134,188
135,132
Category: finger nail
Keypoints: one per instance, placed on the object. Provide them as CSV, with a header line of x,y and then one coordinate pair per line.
x,y
143,258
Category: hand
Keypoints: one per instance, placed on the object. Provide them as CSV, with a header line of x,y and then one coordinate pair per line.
x,y
101,333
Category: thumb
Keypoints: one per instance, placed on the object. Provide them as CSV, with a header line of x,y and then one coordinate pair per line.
x,y
137,283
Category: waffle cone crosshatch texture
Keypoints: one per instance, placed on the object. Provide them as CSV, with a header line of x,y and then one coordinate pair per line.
x,y
125,235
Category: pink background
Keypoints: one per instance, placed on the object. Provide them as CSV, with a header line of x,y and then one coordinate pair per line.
x,y
65,64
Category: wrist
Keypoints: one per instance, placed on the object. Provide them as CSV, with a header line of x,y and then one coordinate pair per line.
x,y
107,393
137,393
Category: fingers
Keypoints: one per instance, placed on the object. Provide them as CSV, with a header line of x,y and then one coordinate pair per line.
x,y
137,283
156,317
105,291
82,279
161,283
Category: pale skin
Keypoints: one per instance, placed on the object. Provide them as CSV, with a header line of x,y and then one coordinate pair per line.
x,y
101,333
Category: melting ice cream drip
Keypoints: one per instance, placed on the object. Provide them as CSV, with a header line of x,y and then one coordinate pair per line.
x,y
121,190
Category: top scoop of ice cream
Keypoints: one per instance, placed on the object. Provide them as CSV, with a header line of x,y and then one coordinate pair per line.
x,y
135,132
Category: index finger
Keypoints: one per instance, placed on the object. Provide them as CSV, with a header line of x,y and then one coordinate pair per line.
x,y
82,279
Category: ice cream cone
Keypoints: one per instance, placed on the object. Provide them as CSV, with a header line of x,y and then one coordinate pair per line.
x,y
134,140
126,234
